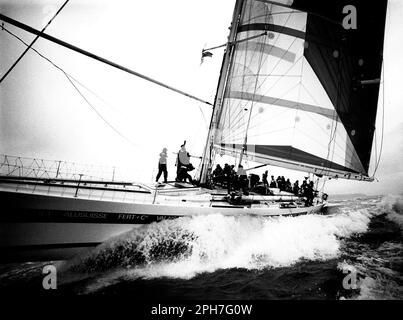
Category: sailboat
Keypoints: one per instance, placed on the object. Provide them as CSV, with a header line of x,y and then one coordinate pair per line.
x,y
297,90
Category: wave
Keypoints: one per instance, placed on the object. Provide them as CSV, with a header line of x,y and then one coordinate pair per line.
x,y
373,277
185,247
378,268
392,205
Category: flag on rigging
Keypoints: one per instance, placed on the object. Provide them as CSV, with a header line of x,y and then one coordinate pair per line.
x,y
205,54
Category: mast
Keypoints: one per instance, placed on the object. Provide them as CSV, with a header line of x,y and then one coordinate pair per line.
x,y
217,109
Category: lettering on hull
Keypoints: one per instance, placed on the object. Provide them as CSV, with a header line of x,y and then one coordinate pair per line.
x,y
44,215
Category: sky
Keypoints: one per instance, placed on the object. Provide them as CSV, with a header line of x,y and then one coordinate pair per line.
x,y
43,116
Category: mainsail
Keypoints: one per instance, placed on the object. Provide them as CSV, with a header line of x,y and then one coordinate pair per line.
x,y
298,89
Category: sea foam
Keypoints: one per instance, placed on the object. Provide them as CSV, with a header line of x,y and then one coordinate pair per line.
x,y
392,205
185,247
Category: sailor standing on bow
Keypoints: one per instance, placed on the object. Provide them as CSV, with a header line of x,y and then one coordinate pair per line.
x,y
162,165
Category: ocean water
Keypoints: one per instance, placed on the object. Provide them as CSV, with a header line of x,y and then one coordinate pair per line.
x,y
353,251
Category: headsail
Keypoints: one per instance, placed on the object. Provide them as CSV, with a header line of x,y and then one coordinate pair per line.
x,y
302,93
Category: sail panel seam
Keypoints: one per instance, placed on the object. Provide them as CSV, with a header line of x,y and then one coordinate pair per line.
x,y
272,27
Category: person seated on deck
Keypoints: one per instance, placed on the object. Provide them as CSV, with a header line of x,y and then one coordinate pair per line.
x,y
309,194
295,189
279,183
264,179
303,188
227,176
254,180
288,186
273,183
183,165
218,174
184,175
232,169
314,192
233,177
283,183
162,165
242,178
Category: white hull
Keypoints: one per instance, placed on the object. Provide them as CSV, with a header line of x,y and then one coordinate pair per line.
x,y
49,227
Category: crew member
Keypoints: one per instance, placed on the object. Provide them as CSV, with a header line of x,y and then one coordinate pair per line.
x,y
183,164
309,194
218,174
243,178
279,183
264,179
295,189
162,165
273,183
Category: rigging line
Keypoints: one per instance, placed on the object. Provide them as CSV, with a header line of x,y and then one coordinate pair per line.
x,y
278,62
93,93
332,135
310,95
313,139
339,97
288,109
251,108
269,53
313,98
274,14
32,43
277,3
75,87
298,105
334,142
236,42
265,122
251,59
335,117
269,75
95,57
204,118
348,148
246,55
254,93
376,148
335,154
97,112
226,113
308,114
383,120
244,66
242,104
288,49
276,82
268,132
383,99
